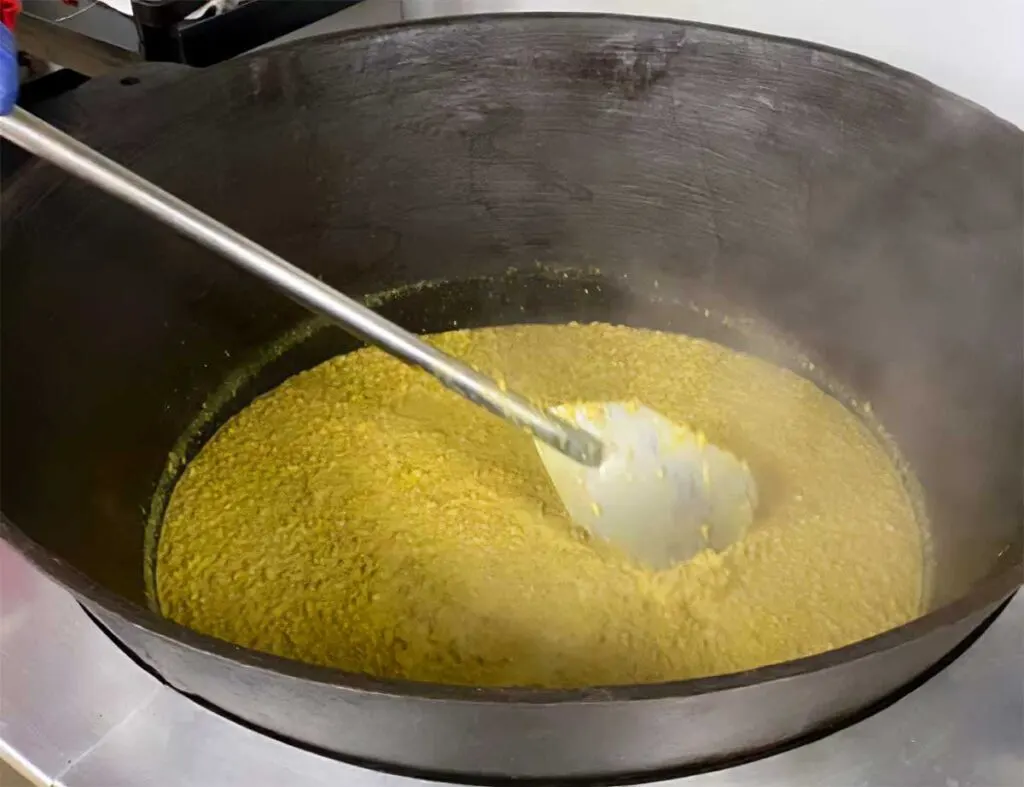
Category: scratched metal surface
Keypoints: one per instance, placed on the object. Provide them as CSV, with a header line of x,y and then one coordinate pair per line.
x,y
974,49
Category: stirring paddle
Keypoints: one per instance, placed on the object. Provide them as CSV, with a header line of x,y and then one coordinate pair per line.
x,y
624,472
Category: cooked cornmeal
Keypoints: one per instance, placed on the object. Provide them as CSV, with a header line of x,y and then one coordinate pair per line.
x,y
362,517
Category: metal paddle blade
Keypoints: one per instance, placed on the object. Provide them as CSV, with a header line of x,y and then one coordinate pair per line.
x,y
662,492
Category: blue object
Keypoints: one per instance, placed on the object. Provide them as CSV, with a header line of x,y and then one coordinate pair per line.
x,y
8,71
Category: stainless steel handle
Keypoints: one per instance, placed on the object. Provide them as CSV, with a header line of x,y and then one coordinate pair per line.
x,y
40,138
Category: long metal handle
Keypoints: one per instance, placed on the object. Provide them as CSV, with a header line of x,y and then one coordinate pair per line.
x,y
40,138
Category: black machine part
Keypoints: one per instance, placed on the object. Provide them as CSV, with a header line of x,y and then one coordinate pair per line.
x,y
94,38
870,216
165,33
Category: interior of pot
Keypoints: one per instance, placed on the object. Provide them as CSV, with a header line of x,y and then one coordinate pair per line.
x,y
871,220
537,295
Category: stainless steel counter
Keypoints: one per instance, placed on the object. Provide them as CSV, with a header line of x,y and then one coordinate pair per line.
x,y
76,711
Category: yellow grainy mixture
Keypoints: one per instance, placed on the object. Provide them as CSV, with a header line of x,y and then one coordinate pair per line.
x,y
362,517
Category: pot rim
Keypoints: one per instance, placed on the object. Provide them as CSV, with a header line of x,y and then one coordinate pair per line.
x,y
989,591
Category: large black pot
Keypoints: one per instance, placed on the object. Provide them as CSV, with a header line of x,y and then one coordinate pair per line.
x,y
871,217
